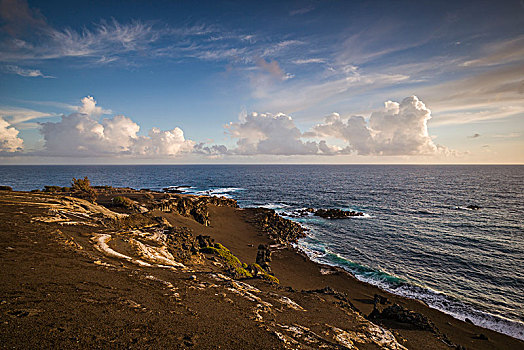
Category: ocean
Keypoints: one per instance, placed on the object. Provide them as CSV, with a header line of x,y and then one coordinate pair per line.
x,y
418,238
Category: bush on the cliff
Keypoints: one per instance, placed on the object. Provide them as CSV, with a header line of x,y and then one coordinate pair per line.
x,y
6,188
56,189
123,202
82,189
52,188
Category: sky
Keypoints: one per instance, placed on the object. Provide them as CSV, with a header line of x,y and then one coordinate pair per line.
x,y
330,81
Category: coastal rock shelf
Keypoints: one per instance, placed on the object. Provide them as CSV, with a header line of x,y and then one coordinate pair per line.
x,y
163,270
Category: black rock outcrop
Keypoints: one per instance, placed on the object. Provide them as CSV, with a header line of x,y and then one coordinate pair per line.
x,y
400,314
181,243
336,213
264,257
196,207
276,227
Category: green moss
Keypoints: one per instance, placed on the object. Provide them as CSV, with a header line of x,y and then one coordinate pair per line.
x,y
237,268
259,272
233,264
269,278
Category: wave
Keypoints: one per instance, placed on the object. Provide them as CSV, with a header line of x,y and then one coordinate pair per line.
x,y
274,206
318,252
214,191
297,214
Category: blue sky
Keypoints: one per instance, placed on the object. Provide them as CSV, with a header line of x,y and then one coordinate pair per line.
x,y
261,82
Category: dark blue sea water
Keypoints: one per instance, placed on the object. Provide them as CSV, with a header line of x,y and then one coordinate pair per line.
x,y
417,238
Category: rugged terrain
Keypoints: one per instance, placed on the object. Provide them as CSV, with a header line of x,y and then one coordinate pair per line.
x,y
141,269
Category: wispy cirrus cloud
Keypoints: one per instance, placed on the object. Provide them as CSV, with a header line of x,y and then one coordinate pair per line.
x,y
25,72
301,10
309,61
104,43
17,115
501,52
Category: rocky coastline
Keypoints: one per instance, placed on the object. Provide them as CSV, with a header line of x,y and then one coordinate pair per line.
x,y
116,267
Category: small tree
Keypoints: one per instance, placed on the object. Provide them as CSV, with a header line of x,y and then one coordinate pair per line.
x,y
81,188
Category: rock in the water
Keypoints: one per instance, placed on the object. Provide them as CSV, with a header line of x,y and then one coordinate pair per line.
x,y
336,213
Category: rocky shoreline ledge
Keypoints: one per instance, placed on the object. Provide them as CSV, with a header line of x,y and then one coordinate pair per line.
x,y
125,268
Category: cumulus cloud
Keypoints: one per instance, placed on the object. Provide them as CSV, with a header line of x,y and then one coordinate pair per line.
x,y
398,129
265,133
9,140
81,134
89,107
161,143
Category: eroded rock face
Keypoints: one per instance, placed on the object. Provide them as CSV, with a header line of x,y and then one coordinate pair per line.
x,y
264,257
276,227
181,243
195,207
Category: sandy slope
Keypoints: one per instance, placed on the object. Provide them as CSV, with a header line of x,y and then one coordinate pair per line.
x,y
72,278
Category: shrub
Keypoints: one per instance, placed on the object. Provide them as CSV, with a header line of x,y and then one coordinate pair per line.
x,y
6,188
52,188
123,202
82,189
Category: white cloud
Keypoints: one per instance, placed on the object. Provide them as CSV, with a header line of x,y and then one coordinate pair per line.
x,y
398,129
31,73
89,107
161,143
9,140
264,133
81,134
